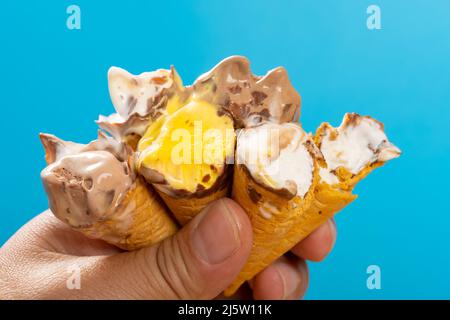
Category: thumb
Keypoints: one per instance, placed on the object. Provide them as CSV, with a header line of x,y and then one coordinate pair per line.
x,y
198,262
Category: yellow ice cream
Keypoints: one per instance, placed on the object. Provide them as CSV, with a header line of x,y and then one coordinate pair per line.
x,y
188,146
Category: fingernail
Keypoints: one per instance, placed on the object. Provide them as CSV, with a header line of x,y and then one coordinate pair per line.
x,y
216,237
290,279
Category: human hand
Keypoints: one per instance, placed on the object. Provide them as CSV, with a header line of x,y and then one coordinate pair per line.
x,y
199,262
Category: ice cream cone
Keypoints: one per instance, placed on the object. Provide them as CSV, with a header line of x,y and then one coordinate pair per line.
x,y
184,156
331,193
95,190
277,207
273,235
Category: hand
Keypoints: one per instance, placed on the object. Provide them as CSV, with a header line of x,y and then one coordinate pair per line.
x,y
199,262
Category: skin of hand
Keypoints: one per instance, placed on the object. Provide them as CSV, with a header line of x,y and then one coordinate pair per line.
x,y
198,262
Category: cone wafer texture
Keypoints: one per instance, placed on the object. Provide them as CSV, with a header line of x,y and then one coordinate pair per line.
x,y
185,208
275,202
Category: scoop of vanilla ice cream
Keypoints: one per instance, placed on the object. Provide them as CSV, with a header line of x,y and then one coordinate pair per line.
x,y
358,142
276,155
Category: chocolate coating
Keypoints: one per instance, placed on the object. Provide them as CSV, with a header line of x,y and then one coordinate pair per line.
x,y
86,183
139,99
248,98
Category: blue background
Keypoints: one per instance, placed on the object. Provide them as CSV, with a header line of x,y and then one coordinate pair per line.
x,y
54,80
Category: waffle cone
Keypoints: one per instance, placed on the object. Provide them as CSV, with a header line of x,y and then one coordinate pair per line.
x,y
186,208
140,220
275,235
297,219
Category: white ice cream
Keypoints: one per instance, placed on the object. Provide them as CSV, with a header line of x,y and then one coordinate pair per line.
x,y
327,176
357,143
276,156
130,93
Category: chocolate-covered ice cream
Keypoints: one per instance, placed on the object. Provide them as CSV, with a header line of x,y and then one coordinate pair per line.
x,y
248,98
139,99
85,183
